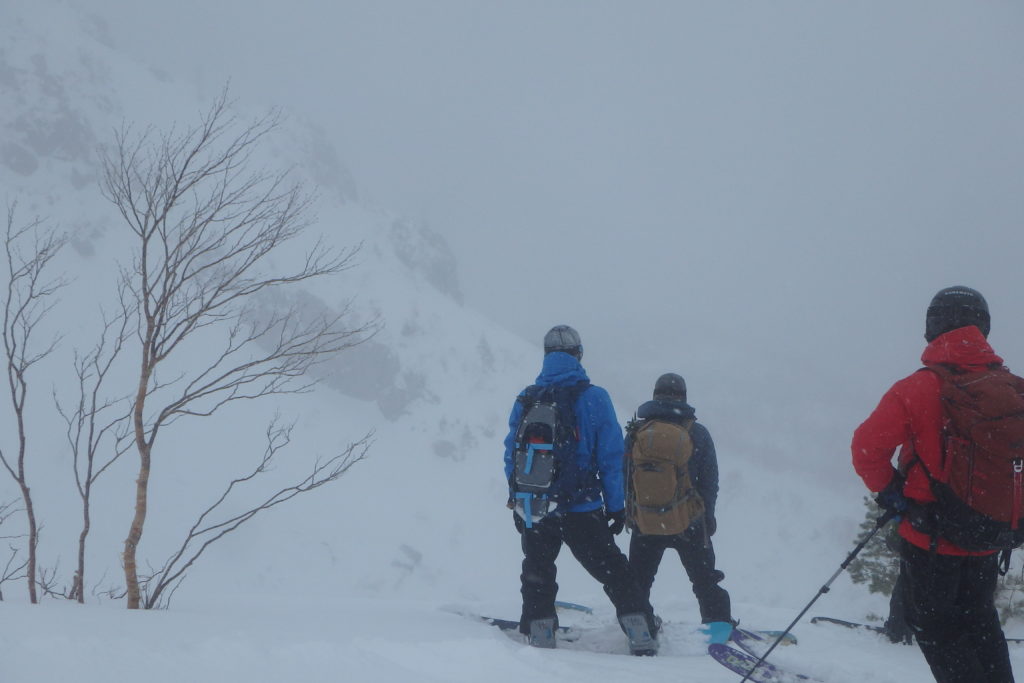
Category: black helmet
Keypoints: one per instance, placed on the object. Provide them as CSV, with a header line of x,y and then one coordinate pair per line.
x,y
953,308
563,338
670,387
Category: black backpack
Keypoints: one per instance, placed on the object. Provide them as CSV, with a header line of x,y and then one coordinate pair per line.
x,y
545,472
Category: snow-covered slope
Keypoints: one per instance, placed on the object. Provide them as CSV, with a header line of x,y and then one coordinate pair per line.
x,y
356,580
433,385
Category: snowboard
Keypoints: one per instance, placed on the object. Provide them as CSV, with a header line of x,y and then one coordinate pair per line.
x,y
566,633
562,604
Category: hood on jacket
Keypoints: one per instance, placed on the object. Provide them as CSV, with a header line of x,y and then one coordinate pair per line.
x,y
964,346
561,368
660,409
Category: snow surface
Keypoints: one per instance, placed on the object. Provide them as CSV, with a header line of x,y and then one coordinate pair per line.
x,y
369,579
385,640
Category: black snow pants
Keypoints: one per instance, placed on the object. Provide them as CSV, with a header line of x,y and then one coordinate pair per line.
x,y
698,557
950,604
593,545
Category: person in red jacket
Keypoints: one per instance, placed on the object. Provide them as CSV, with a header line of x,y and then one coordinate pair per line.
x,y
949,592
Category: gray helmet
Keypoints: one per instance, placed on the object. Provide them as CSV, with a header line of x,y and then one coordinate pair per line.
x,y
563,338
670,387
955,307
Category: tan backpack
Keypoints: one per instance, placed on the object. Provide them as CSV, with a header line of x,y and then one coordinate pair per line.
x,y
660,497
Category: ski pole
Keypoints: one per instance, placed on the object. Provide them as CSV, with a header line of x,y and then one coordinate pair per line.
x,y
879,523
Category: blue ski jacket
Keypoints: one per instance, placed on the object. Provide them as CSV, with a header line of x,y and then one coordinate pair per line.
x,y
600,436
704,463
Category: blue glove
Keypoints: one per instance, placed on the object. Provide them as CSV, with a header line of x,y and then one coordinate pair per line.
x,y
891,497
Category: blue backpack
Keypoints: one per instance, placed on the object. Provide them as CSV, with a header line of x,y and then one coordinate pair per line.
x,y
545,471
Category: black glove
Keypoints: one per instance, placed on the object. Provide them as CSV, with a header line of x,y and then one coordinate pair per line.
x,y
891,497
616,521
520,524
710,525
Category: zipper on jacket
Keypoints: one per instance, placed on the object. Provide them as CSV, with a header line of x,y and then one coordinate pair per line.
x,y
1018,488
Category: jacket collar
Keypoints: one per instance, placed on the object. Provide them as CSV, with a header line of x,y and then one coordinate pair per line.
x,y
964,346
561,368
673,411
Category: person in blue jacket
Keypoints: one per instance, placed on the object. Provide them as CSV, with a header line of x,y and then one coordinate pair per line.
x,y
593,513
694,544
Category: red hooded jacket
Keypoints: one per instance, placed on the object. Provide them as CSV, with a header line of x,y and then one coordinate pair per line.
x,y
909,416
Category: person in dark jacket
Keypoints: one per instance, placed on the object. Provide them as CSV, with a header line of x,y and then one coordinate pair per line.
x,y
948,591
694,543
588,521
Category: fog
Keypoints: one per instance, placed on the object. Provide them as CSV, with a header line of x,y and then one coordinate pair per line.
x,y
761,196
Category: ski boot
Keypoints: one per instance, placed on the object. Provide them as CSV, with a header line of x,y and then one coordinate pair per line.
x,y
542,633
643,640
717,631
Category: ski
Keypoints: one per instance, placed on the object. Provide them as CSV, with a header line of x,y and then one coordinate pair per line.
x,y
857,626
743,663
758,642
871,628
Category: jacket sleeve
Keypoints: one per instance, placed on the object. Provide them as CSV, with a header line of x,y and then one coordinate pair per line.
x,y
607,447
704,467
877,438
627,449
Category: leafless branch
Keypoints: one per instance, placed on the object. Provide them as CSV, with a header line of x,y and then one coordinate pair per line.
x,y
96,423
48,582
212,525
13,570
29,297
205,226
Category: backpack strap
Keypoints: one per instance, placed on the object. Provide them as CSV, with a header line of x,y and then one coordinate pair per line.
x,y
924,517
573,393
528,396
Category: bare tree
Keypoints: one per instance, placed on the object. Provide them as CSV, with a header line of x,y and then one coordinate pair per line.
x,y
29,251
213,524
96,424
204,227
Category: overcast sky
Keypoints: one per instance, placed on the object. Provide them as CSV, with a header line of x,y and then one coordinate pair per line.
x,y
707,187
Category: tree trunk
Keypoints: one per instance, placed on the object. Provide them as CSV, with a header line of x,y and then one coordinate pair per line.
x,y
131,543
135,533
33,540
78,584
